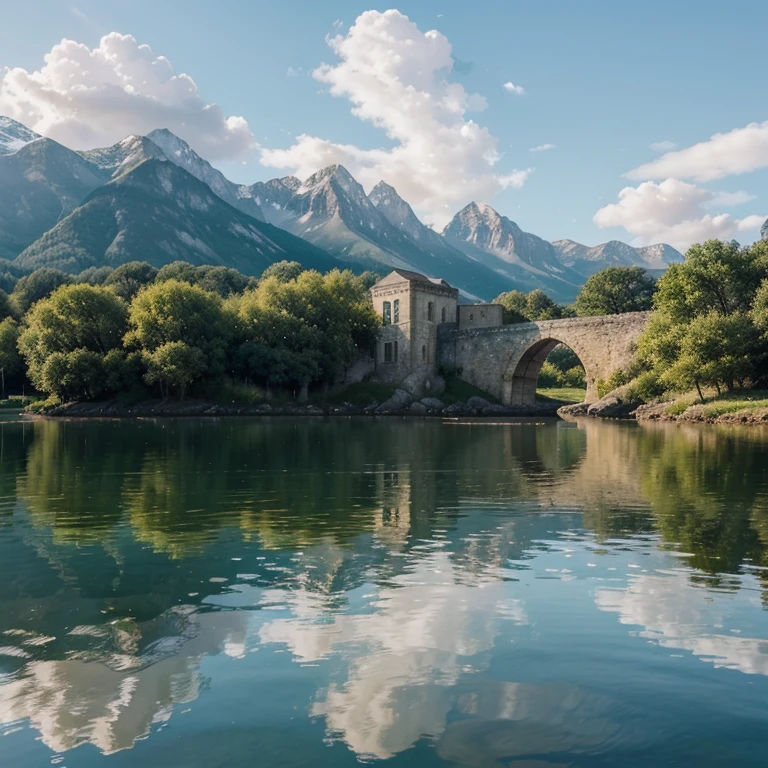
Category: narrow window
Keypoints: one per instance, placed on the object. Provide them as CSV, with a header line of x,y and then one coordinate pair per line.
x,y
442,315
430,310
388,352
387,313
471,317
395,360
423,352
397,311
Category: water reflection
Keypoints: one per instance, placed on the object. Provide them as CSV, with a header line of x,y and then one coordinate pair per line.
x,y
416,573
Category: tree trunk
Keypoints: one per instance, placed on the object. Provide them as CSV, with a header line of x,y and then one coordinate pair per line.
x,y
304,393
698,389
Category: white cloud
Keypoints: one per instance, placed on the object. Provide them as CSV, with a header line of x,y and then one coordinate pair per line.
x,y
730,199
678,616
512,88
663,146
673,212
542,148
398,79
724,154
87,97
293,71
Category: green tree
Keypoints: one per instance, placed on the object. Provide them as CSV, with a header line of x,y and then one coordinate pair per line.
x,y
11,363
174,312
715,350
284,271
128,279
174,366
35,286
615,290
222,280
305,331
520,307
714,276
60,329
93,275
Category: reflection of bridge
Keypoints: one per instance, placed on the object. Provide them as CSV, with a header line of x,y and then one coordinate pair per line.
x,y
505,360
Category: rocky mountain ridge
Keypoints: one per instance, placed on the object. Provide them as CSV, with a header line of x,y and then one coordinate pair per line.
x,y
42,184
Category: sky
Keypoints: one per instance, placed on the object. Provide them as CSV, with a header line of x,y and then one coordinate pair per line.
x,y
594,120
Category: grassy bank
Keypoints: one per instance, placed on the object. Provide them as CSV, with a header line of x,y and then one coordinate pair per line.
x,y
561,394
738,406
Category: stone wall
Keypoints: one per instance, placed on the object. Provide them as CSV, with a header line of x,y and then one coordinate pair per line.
x,y
506,360
480,315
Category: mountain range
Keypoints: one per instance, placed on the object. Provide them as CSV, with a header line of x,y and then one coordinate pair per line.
x,y
152,198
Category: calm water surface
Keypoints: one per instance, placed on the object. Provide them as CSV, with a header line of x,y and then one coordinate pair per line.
x,y
408,593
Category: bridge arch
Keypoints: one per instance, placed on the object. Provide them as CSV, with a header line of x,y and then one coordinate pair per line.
x,y
506,360
521,377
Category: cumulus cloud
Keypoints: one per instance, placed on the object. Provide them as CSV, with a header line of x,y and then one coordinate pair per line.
x,y
676,615
724,154
87,97
673,212
512,88
542,148
398,79
663,146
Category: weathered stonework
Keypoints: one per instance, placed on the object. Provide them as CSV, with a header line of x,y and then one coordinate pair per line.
x,y
506,360
471,341
422,305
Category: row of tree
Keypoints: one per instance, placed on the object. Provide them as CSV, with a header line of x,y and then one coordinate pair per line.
x,y
141,330
709,327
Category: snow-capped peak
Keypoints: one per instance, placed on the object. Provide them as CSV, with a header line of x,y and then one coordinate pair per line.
x,y
14,136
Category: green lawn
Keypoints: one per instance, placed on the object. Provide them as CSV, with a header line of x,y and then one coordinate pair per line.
x,y
562,394
740,400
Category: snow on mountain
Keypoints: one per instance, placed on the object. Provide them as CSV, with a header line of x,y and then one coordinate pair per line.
x,y
499,243
178,151
40,184
14,136
158,212
124,155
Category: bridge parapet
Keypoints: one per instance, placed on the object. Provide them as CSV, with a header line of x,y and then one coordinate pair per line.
x,y
506,360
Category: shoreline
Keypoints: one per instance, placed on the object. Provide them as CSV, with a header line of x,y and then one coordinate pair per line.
x,y
205,409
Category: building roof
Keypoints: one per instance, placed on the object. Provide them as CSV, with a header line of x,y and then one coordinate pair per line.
x,y
414,277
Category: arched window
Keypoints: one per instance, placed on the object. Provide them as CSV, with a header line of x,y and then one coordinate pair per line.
x,y
430,310
442,315
387,313
397,311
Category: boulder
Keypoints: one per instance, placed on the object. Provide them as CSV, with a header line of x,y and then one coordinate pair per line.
x,y
476,404
313,410
455,409
493,409
577,409
433,403
417,408
399,401
611,406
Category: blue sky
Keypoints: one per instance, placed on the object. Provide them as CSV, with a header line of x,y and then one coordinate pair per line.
x,y
603,81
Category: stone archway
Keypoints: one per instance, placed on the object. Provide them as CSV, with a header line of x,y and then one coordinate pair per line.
x,y
505,360
519,383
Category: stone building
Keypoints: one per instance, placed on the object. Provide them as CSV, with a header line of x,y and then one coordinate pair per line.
x,y
411,307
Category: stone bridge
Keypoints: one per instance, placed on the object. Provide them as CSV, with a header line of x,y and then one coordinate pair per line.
x,y
506,360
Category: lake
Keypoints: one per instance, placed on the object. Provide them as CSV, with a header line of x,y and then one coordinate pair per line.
x,y
411,593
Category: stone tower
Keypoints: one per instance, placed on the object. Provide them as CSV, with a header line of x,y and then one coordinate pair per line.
x,y
411,307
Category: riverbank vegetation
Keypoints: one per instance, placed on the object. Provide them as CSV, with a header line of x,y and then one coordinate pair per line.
x,y
136,332
708,334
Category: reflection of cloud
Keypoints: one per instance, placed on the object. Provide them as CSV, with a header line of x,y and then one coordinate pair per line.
x,y
678,615
403,657
74,702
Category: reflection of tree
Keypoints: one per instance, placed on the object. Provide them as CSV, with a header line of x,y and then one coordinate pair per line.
x,y
73,479
702,486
